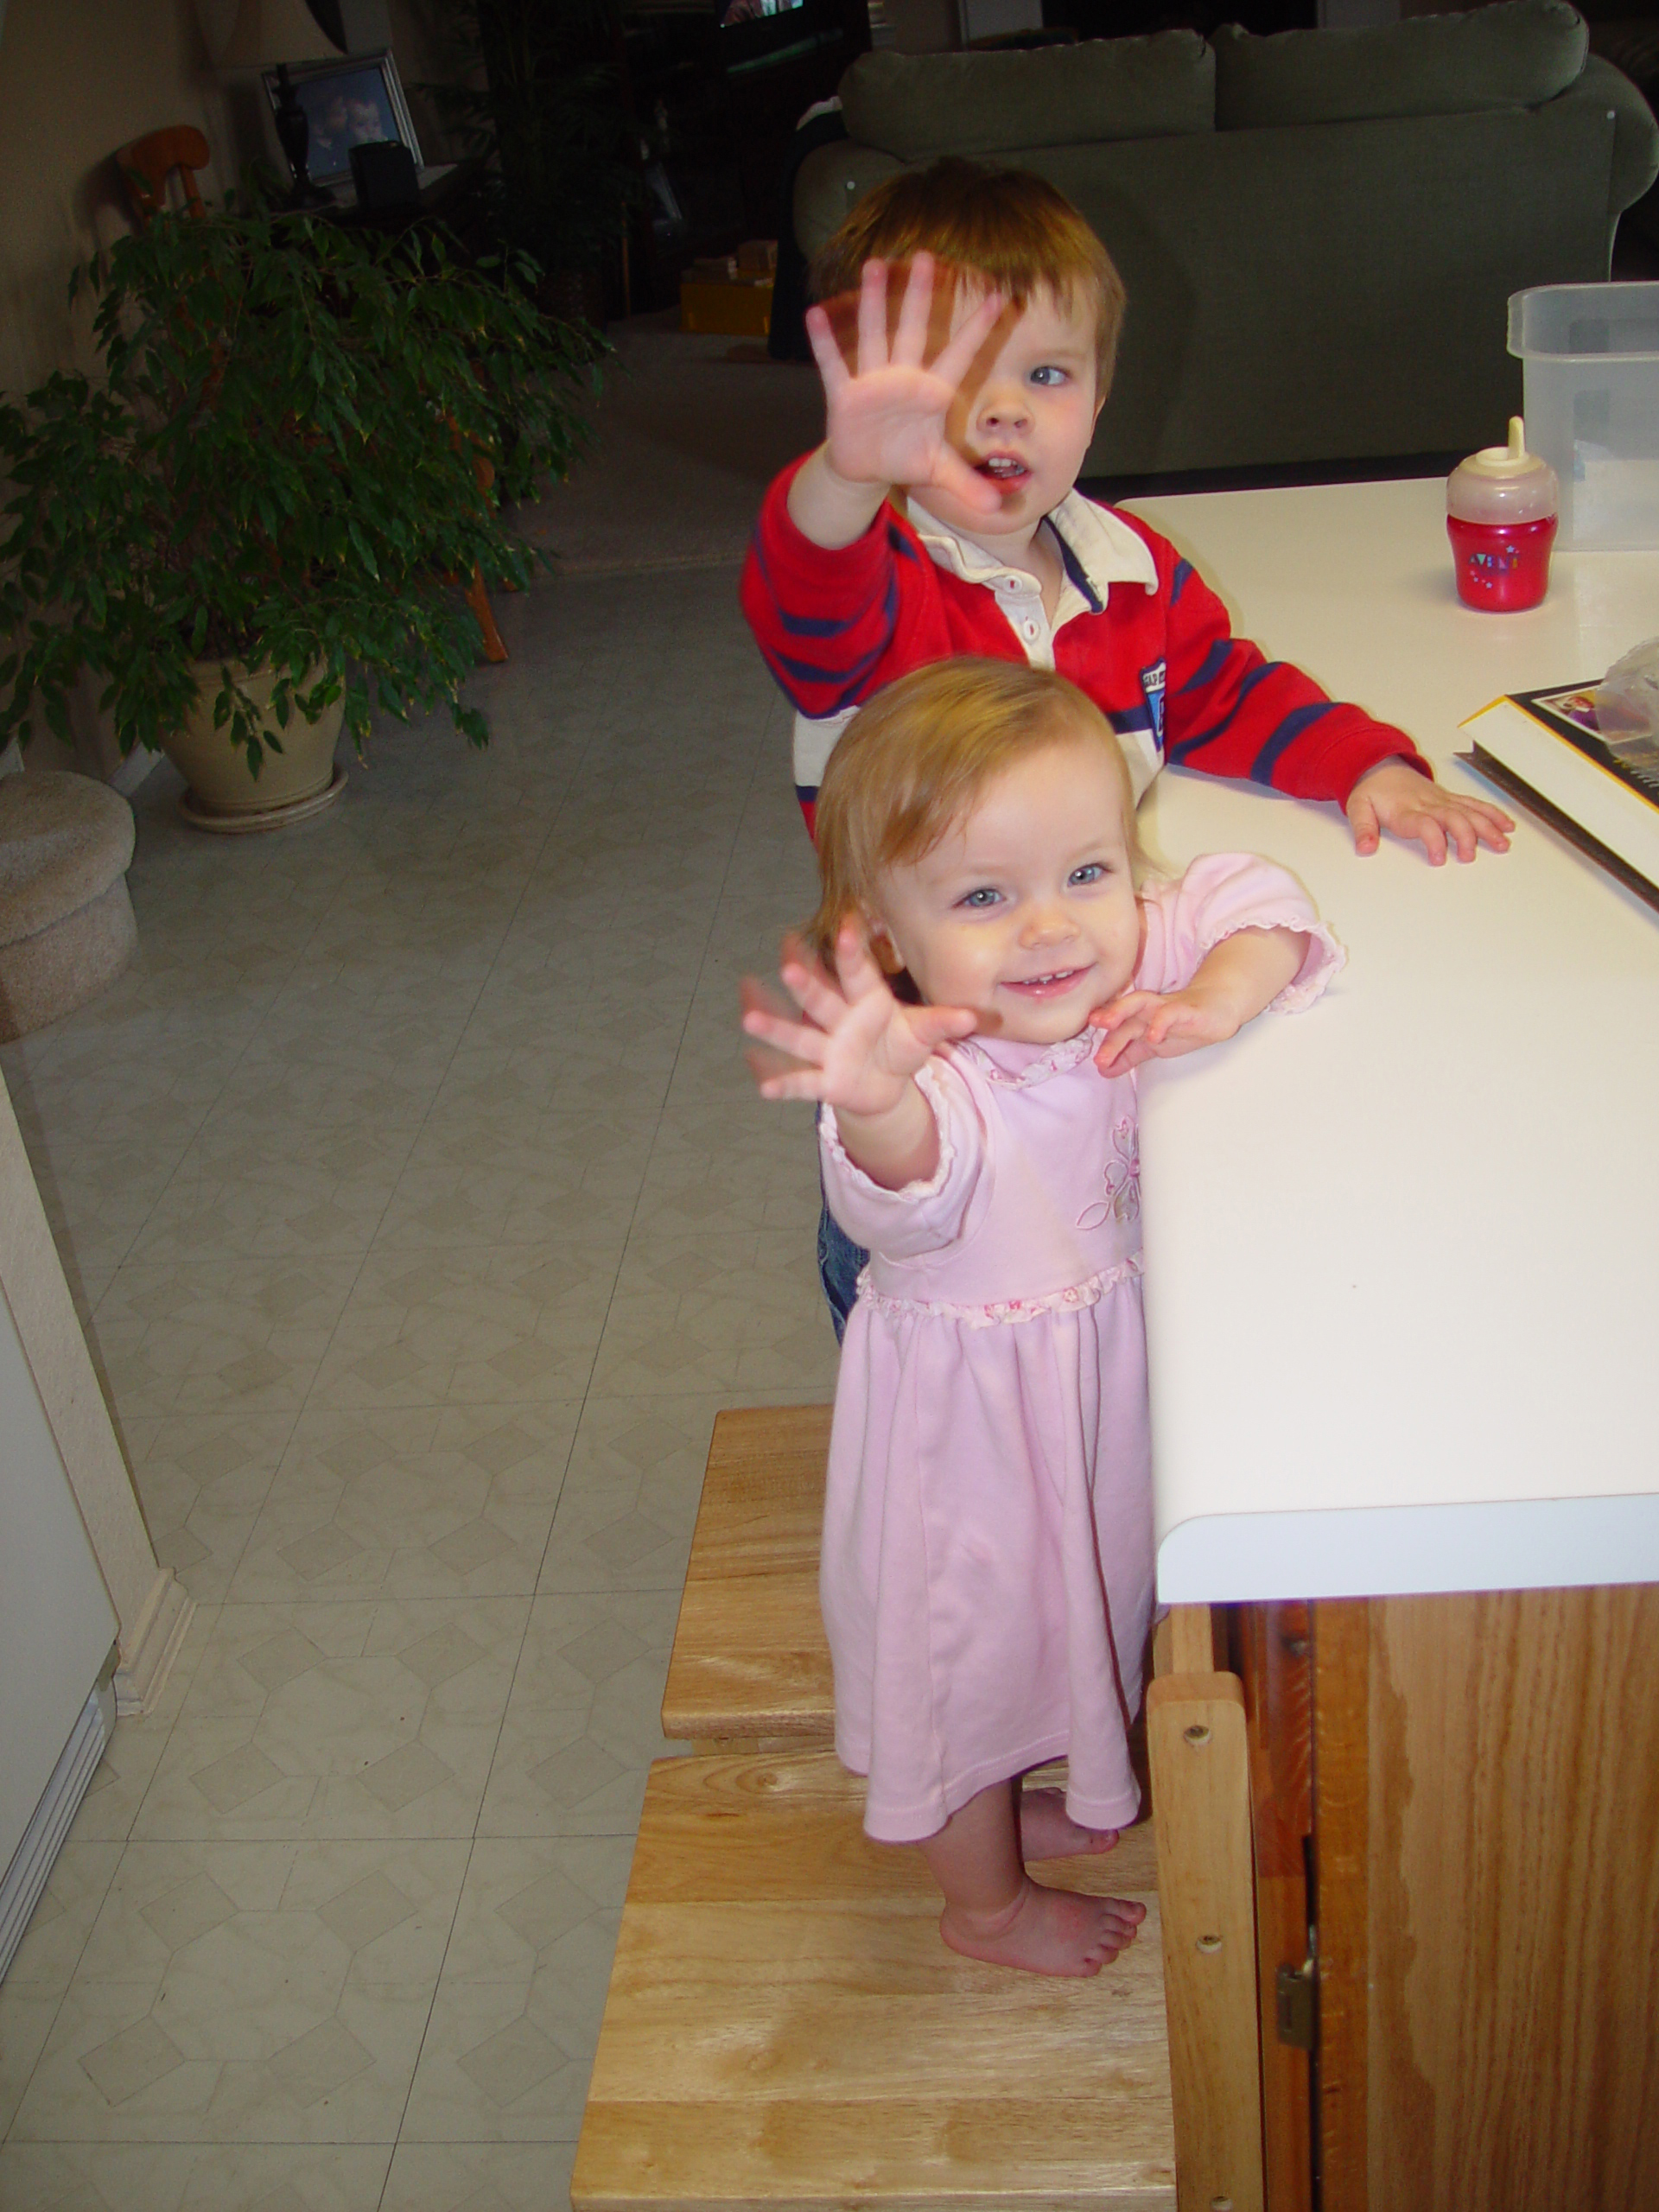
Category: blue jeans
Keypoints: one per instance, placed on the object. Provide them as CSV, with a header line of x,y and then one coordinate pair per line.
x,y
839,1262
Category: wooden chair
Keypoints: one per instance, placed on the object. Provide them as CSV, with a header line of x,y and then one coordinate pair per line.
x,y
146,164
477,595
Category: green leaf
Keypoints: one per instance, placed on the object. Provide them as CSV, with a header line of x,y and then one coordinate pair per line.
x,y
261,472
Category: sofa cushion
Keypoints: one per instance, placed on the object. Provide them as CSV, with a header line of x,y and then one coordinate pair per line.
x,y
918,105
1517,54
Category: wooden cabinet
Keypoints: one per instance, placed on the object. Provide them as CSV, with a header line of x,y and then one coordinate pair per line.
x,y
1270,1649
1458,1797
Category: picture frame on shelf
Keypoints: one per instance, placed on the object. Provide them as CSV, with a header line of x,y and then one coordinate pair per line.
x,y
355,101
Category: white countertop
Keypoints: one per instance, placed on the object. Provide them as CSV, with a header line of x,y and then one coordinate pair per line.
x,y
1403,1250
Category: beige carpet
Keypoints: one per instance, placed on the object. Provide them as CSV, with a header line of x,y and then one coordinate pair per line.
x,y
687,439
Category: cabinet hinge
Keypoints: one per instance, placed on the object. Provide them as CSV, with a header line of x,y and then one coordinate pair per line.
x,y
1297,1994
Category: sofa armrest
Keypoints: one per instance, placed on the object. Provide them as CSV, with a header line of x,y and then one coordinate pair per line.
x,y
1636,133
830,184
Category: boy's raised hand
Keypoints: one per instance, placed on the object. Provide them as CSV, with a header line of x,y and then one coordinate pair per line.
x,y
885,418
858,1048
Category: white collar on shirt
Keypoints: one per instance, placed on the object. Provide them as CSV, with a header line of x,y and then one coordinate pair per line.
x,y
1098,550
1097,547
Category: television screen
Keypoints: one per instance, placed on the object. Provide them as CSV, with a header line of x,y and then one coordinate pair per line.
x,y
357,101
747,11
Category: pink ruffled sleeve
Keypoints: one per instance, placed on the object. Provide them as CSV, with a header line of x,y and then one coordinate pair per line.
x,y
921,1217
1220,894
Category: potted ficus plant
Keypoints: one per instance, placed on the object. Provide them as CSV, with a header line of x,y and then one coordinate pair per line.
x,y
250,525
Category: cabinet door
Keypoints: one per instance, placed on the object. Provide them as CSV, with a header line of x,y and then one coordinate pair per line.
x,y
1513,1970
1485,1897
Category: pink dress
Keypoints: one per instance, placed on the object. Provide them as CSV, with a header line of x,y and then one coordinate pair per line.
x,y
986,1571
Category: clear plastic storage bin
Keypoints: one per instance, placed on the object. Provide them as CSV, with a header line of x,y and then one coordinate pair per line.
x,y
1592,369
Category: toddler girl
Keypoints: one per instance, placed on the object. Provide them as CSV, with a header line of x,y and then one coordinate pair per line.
x,y
979,983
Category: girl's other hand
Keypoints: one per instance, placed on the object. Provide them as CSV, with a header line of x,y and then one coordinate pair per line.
x,y
1160,1026
885,416
1235,981
858,1049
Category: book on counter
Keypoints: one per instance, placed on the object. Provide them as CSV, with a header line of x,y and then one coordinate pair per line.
x,y
1600,789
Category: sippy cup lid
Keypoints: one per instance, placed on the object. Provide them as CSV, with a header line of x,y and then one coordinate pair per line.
x,y
1502,483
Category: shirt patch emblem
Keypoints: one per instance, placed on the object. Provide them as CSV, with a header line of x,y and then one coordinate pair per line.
x,y
1152,684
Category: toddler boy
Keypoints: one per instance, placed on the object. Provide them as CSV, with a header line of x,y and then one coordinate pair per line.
x,y
941,516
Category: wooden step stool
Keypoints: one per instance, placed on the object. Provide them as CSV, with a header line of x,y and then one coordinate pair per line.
x,y
750,1668
785,2027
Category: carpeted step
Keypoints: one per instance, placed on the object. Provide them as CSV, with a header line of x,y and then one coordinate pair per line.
x,y
67,926
785,2027
750,1668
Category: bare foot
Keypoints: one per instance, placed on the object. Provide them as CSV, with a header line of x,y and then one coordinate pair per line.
x,y
1046,1931
1048,1831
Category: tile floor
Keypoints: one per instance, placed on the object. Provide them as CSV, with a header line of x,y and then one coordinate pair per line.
x,y
422,1217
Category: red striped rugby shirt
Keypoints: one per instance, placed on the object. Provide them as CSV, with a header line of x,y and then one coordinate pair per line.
x,y
1136,628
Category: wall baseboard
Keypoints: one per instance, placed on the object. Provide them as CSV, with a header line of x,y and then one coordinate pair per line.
x,y
127,776
147,1662
134,770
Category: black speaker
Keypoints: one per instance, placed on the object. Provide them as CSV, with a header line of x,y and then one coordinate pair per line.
x,y
384,176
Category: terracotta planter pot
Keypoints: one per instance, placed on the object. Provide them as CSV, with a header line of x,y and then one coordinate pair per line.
x,y
222,784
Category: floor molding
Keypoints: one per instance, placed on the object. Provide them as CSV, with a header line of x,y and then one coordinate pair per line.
x,y
141,1675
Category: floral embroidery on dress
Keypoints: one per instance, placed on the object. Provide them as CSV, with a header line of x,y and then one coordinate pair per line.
x,y
1004,1310
1122,1200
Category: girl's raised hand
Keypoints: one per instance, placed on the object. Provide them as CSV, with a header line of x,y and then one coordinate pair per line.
x,y
885,418
858,1048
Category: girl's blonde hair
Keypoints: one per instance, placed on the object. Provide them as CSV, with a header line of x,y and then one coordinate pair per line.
x,y
910,764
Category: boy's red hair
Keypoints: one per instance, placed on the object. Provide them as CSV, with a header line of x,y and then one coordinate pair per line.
x,y
1004,228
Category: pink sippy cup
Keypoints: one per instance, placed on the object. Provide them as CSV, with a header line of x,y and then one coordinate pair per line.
x,y
1500,515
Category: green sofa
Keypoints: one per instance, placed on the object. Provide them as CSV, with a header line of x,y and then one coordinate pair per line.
x,y
1627,32
1318,230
